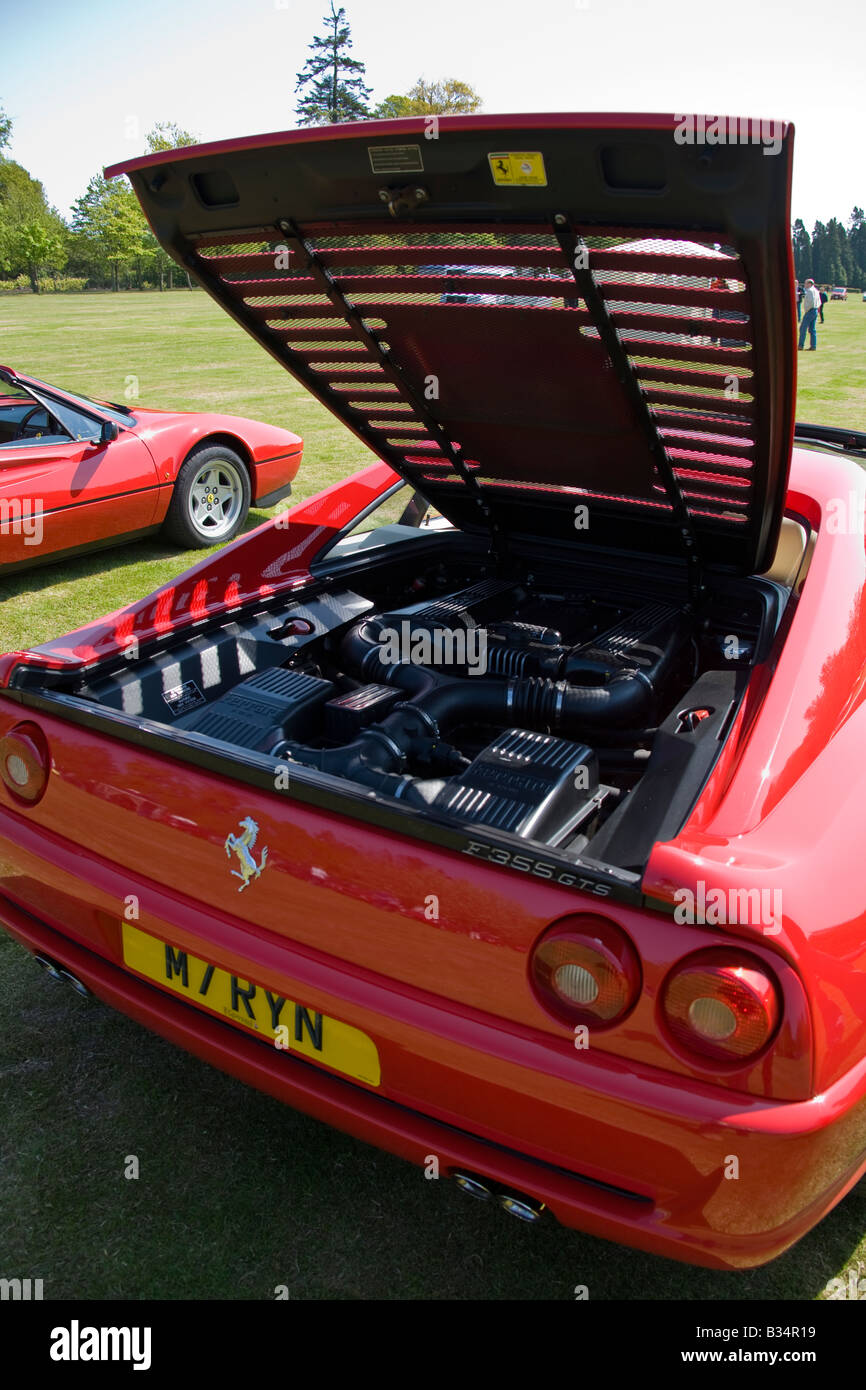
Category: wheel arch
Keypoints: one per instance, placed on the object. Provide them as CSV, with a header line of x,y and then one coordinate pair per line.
x,y
225,439
231,441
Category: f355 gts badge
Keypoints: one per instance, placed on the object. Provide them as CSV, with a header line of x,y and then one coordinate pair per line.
x,y
243,846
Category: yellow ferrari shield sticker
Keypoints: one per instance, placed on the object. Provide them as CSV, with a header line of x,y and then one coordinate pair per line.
x,y
511,167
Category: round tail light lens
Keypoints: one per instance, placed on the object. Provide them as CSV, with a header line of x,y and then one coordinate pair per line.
x,y
25,763
585,970
722,1004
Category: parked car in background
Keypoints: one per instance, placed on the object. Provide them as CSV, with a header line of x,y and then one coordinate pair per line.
x,y
450,295
839,292
530,840
487,275
76,473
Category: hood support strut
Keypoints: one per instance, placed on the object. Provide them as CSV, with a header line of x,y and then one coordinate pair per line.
x,y
576,253
309,260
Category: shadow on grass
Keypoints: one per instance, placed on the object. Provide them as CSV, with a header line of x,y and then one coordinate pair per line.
x,y
238,1194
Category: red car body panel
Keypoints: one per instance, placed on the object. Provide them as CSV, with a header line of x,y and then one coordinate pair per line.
x,y
83,494
526,1107
88,494
635,1137
274,454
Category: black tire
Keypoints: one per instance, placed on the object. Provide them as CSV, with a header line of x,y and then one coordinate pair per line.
x,y
211,498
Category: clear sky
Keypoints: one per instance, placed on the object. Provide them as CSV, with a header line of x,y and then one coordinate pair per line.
x,y
84,79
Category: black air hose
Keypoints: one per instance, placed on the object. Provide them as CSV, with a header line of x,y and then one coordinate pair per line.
x,y
412,733
624,700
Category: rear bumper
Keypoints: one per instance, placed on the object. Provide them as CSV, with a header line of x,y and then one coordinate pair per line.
x,y
307,1088
627,1153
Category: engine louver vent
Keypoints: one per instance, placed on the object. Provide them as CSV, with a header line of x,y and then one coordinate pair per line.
x,y
681,309
511,380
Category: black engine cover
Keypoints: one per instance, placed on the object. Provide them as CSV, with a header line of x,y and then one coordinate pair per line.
x,y
531,784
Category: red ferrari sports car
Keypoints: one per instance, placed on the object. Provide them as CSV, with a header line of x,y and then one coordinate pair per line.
x,y
519,832
77,474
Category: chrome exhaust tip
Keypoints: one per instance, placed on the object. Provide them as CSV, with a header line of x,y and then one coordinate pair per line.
x,y
49,966
78,985
523,1208
517,1204
60,973
473,1187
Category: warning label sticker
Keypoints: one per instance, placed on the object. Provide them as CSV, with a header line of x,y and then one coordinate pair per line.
x,y
395,159
510,168
182,698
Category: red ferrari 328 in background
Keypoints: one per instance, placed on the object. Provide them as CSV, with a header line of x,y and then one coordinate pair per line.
x,y
523,830
77,474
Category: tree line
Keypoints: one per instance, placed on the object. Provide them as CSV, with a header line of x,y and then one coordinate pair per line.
x,y
833,254
106,243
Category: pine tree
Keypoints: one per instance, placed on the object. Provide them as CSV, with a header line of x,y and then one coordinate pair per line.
x,y
332,82
802,251
820,254
857,242
840,253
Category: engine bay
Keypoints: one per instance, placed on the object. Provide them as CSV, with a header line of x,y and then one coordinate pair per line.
x,y
571,711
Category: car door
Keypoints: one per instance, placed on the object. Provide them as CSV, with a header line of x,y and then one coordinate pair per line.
x,y
62,486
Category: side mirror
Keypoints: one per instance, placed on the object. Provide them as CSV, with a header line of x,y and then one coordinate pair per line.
x,y
109,432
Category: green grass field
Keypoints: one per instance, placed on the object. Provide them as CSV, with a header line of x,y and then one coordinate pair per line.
x,y
236,1193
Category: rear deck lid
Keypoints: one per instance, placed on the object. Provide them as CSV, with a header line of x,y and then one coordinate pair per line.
x,y
561,326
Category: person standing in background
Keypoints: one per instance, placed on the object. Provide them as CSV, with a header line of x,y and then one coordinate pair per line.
x,y
798,292
811,305
824,297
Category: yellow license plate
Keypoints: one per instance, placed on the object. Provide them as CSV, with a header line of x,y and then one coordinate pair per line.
x,y
288,1026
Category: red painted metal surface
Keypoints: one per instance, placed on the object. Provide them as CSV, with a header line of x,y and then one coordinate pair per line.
x,y
415,125
473,1068
633,1136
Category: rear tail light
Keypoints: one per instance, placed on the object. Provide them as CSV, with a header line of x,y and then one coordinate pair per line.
x,y
25,763
585,970
723,1004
